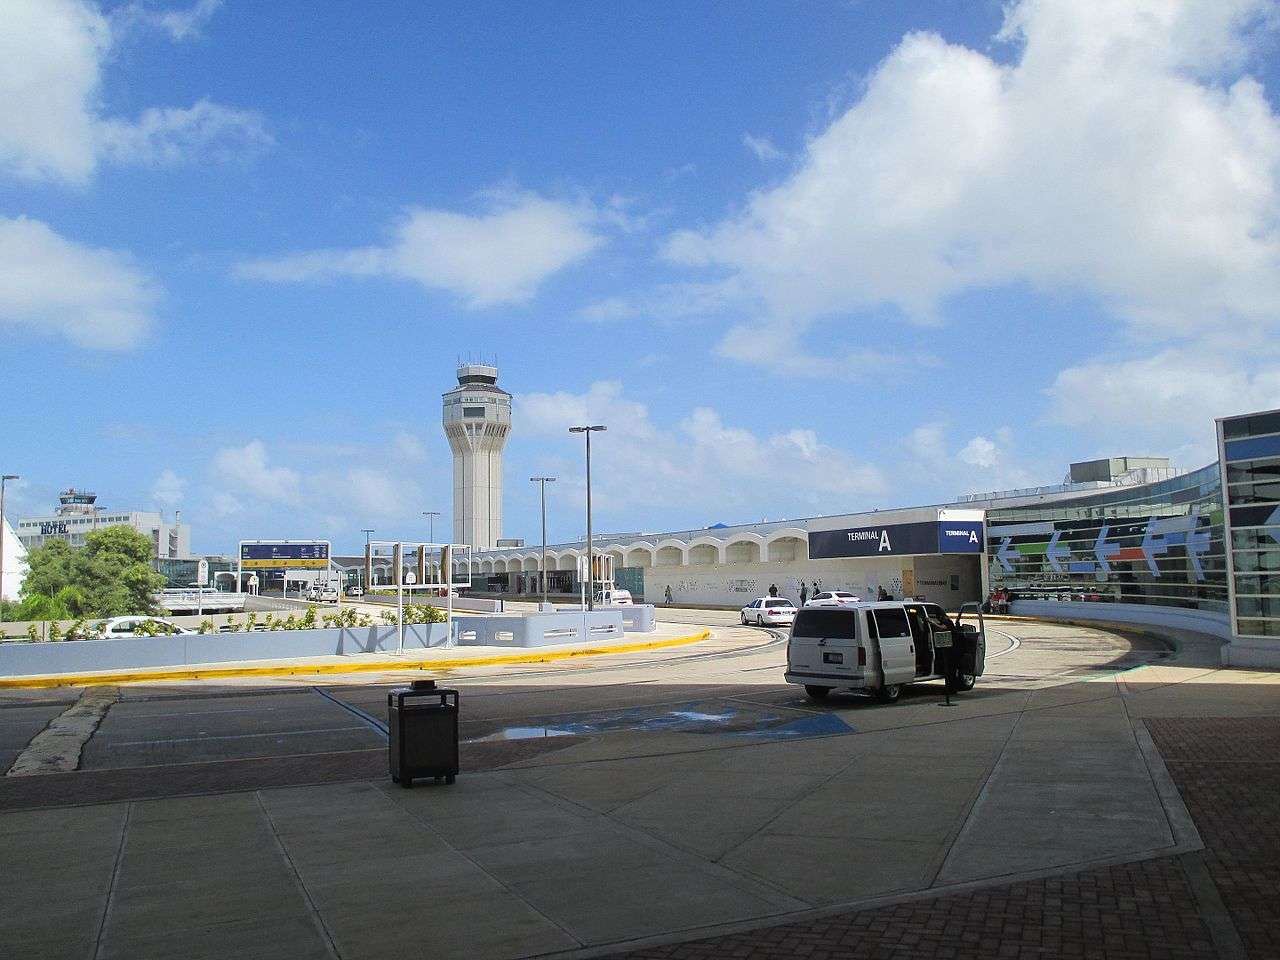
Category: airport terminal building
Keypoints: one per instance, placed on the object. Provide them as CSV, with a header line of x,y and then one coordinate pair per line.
x,y
1125,539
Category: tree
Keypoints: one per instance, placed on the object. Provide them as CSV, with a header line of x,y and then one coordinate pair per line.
x,y
110,577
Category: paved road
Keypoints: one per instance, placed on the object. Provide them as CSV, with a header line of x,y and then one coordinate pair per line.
x,y
605,802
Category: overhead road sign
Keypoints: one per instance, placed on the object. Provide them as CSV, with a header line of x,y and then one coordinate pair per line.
x,y
284,554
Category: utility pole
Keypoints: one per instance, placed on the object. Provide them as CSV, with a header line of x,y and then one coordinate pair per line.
x,y
591,573
542,482
4,478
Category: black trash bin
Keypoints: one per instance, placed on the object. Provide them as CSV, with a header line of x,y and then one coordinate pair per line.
x,y
422,727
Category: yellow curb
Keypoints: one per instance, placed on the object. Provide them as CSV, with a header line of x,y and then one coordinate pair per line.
x,y
364,666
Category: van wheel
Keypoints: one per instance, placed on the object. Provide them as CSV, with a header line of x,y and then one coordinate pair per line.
x,y
816,693
963,681
889,693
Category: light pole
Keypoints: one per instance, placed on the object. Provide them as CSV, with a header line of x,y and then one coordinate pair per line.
x,y
4,478
431,523
591,573
368,567
542,483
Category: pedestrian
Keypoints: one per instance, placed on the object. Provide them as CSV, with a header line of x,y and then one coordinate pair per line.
x,y
773,589
804,593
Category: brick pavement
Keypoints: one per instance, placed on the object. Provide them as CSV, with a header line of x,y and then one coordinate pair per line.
x,y
1228,771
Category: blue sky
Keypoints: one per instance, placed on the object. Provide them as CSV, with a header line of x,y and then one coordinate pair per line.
x,y
802,257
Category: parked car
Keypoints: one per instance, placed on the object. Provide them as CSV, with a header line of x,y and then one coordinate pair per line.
x,y
767,610
356,591
129,627
329,594
880,647
832,598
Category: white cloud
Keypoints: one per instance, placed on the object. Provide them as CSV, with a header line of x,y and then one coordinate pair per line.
x,y
1121,154
408,446
762,147
245,470
179,23
169,489
52,54
496,257
699,461
1164,398
92,296
170,135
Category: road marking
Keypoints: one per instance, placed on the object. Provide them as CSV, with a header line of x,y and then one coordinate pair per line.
x,y
56,748
233,736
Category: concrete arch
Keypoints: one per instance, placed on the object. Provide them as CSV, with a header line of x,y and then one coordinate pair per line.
x,y
639,555
671,553
791,543
705,550
744,548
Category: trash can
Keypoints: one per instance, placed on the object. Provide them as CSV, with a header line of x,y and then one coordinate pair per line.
x,y
422,728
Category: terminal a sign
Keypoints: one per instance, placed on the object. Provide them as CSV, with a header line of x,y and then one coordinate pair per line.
x,y
897,539
283,555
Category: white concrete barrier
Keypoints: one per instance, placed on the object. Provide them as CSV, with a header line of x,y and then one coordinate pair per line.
x,y
539,629
127,653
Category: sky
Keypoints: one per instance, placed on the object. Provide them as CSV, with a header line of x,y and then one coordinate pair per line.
x,y
800,257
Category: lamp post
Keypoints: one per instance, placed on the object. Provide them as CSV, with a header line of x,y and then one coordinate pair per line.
x,y
542,482
4,478
368,568
431,523
591,574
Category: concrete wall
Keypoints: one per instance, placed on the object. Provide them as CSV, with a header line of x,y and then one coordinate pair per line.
x,y
541,629
1201,621
128,653
737,584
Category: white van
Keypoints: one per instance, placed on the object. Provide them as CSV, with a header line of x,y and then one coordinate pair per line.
x,y
879,647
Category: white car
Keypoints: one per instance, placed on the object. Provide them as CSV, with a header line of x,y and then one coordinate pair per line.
x,y
128,627
767,610
833,598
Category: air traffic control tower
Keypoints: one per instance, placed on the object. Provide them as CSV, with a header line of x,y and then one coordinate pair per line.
x,y
477,419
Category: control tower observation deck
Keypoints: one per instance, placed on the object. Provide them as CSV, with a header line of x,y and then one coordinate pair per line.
x,y
477,418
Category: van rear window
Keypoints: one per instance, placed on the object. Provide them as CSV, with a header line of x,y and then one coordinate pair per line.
x,y
892,622
836,624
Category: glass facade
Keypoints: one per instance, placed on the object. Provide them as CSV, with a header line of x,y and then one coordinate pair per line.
x,y
1159,544
1251,465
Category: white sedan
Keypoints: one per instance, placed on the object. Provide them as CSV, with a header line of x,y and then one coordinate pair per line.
x,y
133,626
833,598
769,610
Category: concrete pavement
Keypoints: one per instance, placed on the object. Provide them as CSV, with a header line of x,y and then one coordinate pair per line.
x,y
641,830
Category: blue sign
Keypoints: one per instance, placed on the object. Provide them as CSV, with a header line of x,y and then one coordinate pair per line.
x,y
960,536
897,539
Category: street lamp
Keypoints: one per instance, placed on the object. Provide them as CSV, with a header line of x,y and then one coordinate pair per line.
x,y
368,565
4,478
591,576
542,482
431,523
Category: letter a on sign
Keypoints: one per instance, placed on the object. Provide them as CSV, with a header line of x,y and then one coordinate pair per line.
x,y
884,541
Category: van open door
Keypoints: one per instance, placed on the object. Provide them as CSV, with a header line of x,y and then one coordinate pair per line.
x,y
971,639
